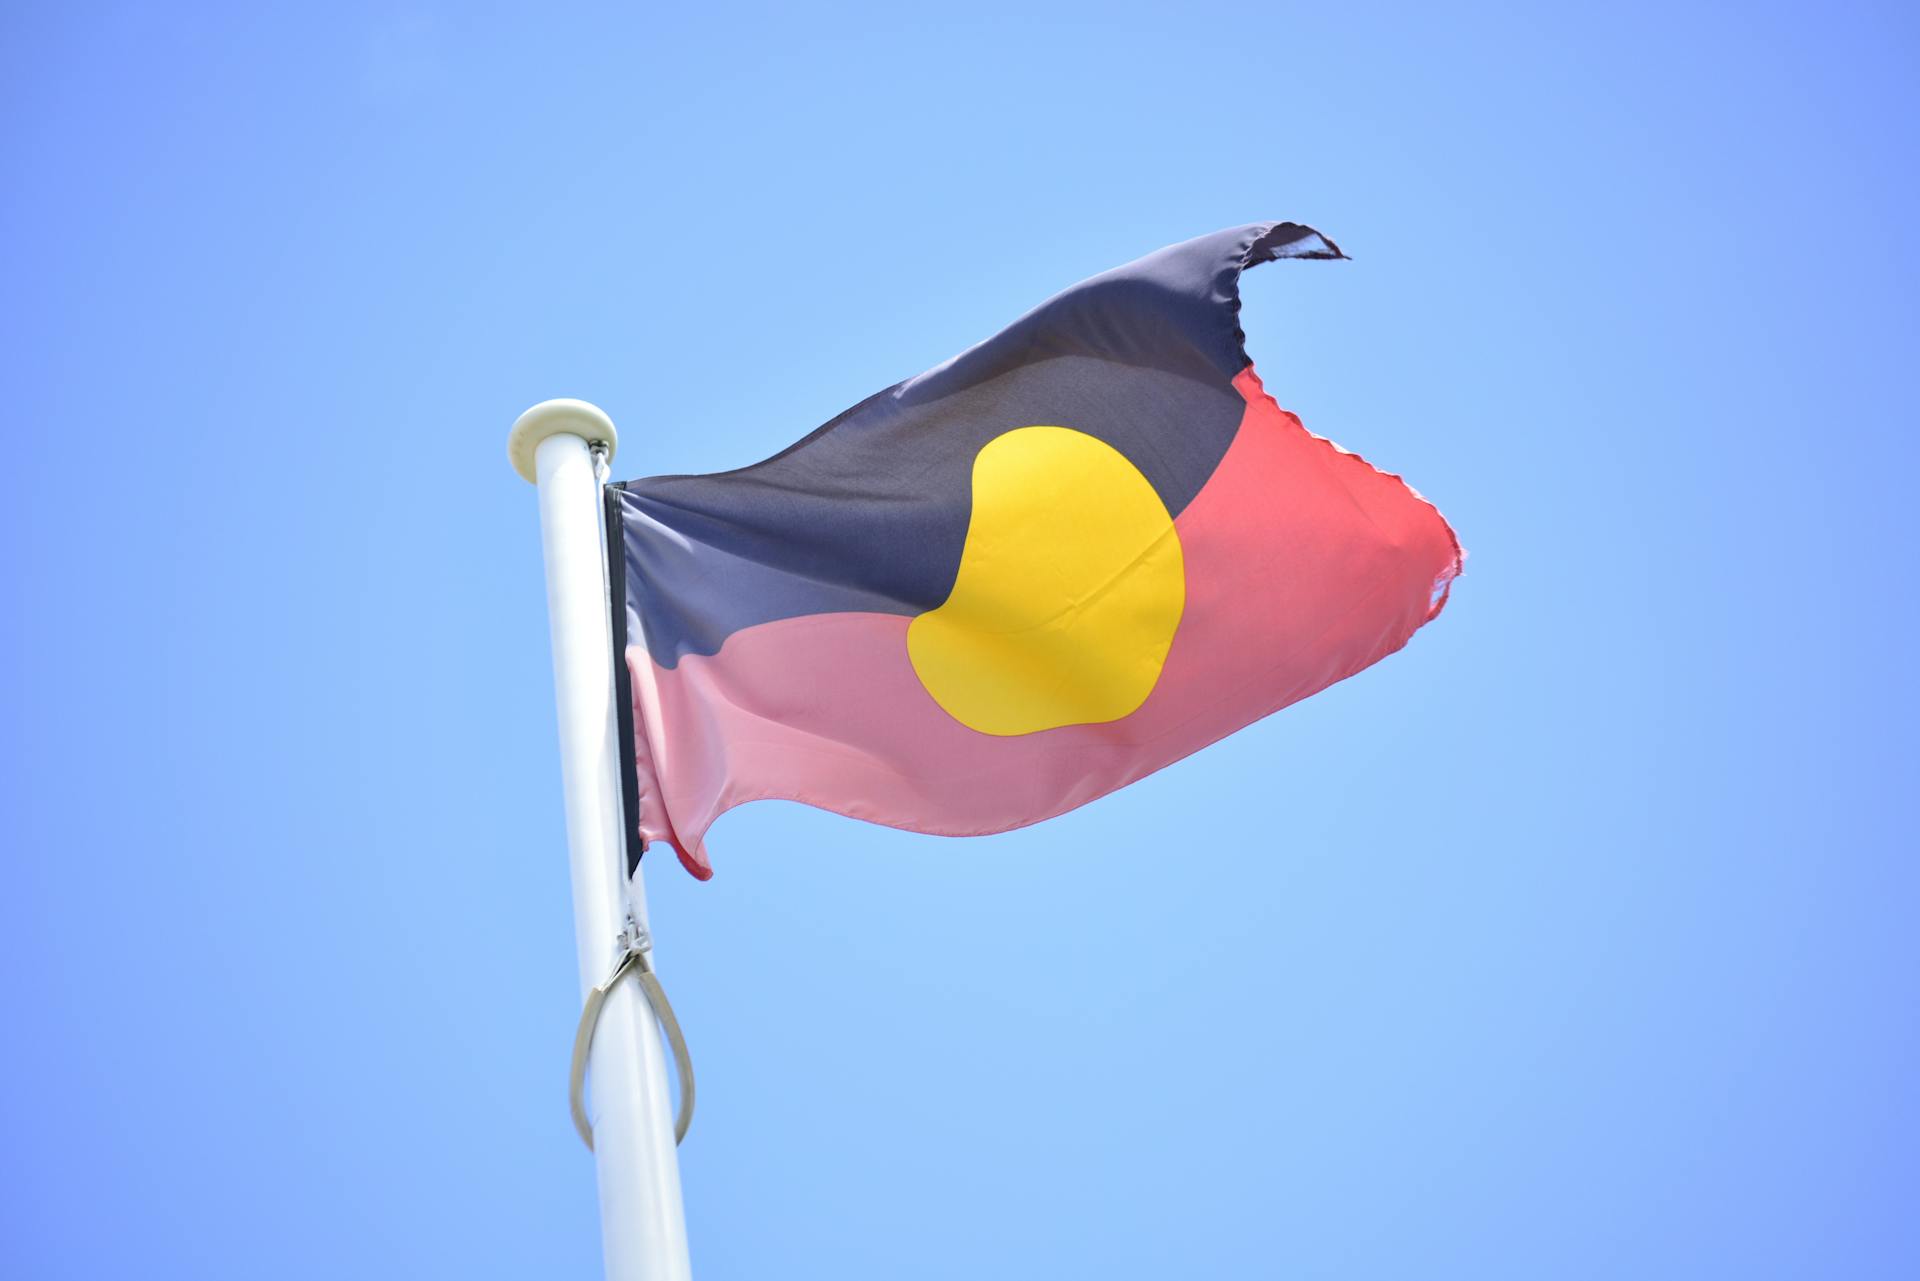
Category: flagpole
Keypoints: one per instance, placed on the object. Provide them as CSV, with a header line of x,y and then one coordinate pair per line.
x,y
642,1223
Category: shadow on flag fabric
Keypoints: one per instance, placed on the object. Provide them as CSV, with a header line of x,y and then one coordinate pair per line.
x,y
1063,559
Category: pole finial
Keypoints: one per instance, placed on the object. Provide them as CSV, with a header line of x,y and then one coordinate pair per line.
x,y
556,418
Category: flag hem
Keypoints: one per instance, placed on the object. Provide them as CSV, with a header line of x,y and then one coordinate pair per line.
x,y
613,538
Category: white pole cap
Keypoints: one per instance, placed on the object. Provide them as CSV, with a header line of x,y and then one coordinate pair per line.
x,y
557,418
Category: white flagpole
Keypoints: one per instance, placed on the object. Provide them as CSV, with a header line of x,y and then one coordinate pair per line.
x,y
642,1224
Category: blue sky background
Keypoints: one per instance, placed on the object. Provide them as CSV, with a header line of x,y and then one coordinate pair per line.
x,y
1576,941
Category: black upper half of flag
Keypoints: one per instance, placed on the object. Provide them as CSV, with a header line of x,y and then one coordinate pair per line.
x,y
869,513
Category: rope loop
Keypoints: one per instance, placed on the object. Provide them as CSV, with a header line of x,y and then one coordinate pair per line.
x,y
635,958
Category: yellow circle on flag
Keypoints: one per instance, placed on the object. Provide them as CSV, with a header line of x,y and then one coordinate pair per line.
x,y
1070,587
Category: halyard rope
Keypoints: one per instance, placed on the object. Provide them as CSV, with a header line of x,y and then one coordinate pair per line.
x,y
635,959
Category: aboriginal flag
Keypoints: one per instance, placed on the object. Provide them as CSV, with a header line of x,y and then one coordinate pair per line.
x,y
1063,559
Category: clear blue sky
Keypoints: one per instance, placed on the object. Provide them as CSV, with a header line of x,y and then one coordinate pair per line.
x,y
1576,941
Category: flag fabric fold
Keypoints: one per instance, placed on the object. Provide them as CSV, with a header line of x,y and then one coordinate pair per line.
x,y
1067,557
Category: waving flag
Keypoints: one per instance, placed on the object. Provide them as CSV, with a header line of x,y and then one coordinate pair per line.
x,y
1069,556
